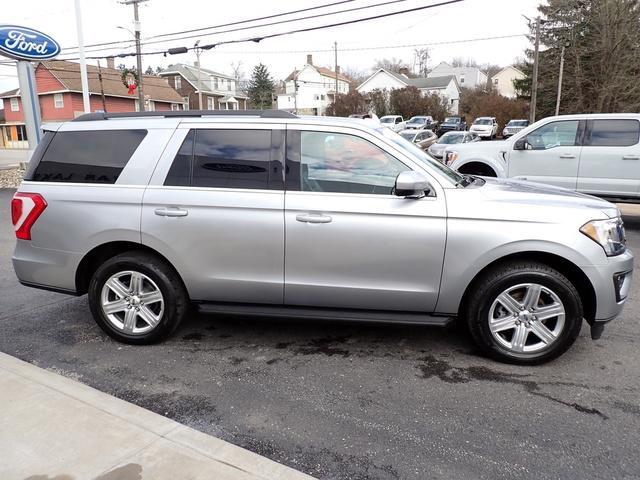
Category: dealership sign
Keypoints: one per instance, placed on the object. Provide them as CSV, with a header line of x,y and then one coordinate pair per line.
x,y
24,43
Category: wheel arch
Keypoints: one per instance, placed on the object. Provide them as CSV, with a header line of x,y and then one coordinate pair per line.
x,y
464,165
575,275
101,253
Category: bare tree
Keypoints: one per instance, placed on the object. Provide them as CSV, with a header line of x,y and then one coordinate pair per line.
x,y
391,64
421,57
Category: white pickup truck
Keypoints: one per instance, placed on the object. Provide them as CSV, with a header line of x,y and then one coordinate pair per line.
x,y
394,122
597,154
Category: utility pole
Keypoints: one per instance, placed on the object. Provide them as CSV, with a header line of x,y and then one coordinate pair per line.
x,y
534,82
104,101
335,65
560,79
84,80
198,50
136,27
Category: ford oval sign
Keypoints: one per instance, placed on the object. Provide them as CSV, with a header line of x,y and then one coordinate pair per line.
x,y
24,43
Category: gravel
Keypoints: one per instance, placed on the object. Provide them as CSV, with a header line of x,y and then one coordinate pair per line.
x,y
11,178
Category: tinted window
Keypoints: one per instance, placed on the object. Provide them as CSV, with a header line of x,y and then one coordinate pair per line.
x,y
555,134
87,156
180,171
331,162
613,133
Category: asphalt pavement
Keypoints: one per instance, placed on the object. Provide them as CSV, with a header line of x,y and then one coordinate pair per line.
x,y
345,401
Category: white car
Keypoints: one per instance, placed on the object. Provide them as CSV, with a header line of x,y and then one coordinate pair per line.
x,y
485,127
394,122
598,154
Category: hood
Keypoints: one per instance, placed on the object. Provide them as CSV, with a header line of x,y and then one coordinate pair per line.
x,y
533,198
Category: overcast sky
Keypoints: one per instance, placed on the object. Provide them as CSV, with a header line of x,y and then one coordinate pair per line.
x,y
359,45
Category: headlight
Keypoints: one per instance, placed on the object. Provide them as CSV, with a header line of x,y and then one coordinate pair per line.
x,y
608,233
451,157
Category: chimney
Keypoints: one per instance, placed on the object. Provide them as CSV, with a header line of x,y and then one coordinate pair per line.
x,y
309,59
404,71
111,62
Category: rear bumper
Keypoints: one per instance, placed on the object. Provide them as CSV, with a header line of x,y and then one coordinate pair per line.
x,y
611,291
43,268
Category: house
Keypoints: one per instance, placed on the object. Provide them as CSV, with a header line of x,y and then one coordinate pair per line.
x,y
502,81
446,86
60,97
311,89
467,77
219,91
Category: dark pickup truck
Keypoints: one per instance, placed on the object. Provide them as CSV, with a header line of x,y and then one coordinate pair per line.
x,y
452,124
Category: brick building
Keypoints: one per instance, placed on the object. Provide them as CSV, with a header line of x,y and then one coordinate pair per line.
x,y
60,97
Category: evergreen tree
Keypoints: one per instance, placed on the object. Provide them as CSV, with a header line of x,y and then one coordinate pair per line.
x,y
261,88
602,57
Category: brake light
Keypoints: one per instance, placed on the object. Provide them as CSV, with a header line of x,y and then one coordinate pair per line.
x,y
25,210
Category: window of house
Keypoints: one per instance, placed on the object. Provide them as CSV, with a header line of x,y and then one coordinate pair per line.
x,y
178,82
21,132
58,100
495,81
91,156
613,133
210,103
321,97
15,106
229,85
462,79
223,159
215,83
334,162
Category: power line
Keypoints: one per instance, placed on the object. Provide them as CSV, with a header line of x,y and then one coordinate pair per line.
x,y
239,22
290,32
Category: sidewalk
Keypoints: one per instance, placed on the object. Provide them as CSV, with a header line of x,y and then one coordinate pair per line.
x,y
52,427
11,158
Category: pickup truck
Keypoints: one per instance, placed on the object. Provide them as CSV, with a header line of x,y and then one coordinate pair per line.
x,y
598,154
422,122
454,123
394,122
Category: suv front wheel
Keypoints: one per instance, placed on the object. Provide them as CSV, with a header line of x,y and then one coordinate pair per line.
x,y
524,313
136,298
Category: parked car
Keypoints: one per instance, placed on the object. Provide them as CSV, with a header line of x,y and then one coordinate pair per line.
x,y
394,122
454,123
451,138
422,122
190,208
485,127
597,154
422,138
513,127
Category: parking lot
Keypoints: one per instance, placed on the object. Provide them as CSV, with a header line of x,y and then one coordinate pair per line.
x,y
345,401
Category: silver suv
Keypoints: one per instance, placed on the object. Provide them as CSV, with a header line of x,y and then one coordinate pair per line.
x,y
267,213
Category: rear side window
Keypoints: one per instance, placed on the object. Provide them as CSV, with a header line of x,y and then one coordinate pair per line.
x,y
613,133
225,159
90,156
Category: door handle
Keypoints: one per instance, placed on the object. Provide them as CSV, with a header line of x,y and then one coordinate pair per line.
x,y
631,157
171,212
308,218
567,155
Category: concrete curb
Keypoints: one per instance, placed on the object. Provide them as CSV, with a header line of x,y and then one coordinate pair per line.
x,y
51,425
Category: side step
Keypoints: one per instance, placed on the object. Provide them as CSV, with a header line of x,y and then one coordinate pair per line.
x,y
350,315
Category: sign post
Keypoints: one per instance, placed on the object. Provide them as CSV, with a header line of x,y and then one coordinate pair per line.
x,y
27,45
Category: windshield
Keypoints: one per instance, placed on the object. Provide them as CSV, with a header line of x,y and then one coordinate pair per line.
x,y
387,119
408,135
418,119
517,123
417,154
483,121
452,120
450,138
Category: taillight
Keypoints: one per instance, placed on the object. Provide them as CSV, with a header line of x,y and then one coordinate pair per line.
x,y
25,210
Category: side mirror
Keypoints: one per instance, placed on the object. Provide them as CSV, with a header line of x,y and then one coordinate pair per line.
x,y
521,144
412,185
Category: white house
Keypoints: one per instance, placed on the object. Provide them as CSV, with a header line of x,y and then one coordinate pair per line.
x,y
446,86
311,89
502,81
469,77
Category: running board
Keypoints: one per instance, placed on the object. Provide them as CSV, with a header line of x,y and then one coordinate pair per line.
x,y
351,315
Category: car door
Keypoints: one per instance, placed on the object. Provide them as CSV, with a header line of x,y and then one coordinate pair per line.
x,y
422,140
351,243
551,154
214,209
610,158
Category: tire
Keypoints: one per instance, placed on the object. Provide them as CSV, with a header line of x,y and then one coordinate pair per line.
x,y
503,336
154,310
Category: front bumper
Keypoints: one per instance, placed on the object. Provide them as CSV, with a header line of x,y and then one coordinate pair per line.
x,y
482,133
611,283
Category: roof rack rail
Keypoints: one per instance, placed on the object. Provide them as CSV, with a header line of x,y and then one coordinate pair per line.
x,y
90,117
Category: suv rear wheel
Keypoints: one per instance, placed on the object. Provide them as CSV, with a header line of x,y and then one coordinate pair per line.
x,y
524,313
137,298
